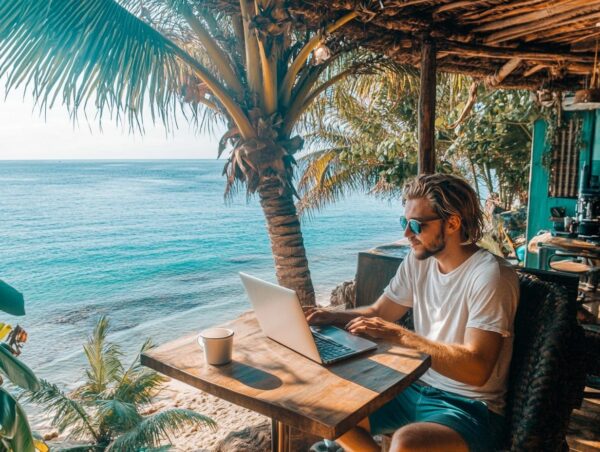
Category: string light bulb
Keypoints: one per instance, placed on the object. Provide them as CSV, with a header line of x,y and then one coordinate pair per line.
x,y
321,54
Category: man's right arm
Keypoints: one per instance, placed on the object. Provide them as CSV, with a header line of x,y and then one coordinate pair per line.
x,y
384,307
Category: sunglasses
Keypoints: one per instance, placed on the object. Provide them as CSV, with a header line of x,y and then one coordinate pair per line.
x,y
415,226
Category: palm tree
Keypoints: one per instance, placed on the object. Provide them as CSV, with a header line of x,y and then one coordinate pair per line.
x,y
107,408
242,63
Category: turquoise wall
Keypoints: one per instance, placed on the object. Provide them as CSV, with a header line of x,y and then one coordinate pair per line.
x,y
538,210
595,120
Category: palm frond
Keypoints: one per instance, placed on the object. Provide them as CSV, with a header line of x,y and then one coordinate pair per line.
x,y
94,52
68,413
140,387
136,365
137,385
104,359
337,186
117,415
316,168
299,61
157,428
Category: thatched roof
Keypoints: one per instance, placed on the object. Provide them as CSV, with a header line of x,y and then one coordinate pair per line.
x,y
506,43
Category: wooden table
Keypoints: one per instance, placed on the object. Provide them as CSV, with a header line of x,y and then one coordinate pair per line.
x,y
564,244
293,391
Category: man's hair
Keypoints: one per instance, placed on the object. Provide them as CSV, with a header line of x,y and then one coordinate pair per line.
x,y
449,195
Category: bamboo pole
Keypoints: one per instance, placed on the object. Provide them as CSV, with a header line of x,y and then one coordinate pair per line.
x,y
426,162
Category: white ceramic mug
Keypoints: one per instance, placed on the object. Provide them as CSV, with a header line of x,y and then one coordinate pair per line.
x,y
217,344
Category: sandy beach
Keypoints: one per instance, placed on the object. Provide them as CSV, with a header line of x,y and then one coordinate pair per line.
x,y
229,417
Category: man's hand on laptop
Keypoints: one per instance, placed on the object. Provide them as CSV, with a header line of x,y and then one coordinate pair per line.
x,y
319,316
377,328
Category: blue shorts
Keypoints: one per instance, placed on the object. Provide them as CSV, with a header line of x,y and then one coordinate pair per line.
x,y
480,428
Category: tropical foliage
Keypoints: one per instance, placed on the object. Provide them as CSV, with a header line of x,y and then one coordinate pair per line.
x,y
494,143
15,433
364,139
368,139
107,409
240,63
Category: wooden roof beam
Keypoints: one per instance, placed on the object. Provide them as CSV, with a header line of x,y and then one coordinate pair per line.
x,y
584,37
551,32
504,10
538,67
458,5
570,67
479,73
472,50
583,45
581,69
509,67
408,3
518,31
569,5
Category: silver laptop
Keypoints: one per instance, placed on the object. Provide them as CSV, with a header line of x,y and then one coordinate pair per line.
x,y
281,318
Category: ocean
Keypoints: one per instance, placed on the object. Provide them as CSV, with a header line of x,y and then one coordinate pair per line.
x,y
154,246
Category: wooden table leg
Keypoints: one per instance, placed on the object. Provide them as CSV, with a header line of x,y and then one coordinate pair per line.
x,y
285,438
280,437
274,435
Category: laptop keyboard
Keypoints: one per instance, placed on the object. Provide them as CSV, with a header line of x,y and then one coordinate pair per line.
x,y
329,349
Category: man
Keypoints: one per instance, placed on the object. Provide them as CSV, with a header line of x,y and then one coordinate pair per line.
x,y
464,301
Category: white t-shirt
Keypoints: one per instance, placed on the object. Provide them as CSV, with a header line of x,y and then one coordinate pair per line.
x,y
482,293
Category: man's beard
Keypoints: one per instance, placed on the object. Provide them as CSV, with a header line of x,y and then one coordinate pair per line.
x,y
438,245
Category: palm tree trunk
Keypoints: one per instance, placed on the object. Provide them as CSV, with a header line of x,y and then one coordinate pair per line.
x,y
287,245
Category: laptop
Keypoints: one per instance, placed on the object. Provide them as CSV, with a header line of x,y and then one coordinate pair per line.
x,y
282,319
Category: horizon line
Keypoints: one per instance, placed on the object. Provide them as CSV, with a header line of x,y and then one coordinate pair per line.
x,y
98,159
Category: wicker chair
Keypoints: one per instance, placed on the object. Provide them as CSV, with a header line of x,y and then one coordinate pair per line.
x,y
547,374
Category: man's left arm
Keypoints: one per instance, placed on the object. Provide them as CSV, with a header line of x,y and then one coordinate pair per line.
x,y
470,363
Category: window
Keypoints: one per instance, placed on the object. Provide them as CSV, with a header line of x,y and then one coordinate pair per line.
x,y
564,163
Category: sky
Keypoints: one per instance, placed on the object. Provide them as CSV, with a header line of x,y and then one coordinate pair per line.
x,y
25,134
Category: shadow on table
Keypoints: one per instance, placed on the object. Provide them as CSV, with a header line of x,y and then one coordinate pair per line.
x,y
368,373
253,377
